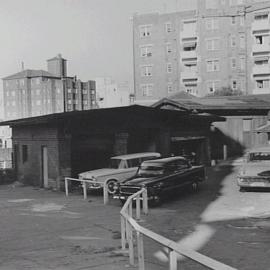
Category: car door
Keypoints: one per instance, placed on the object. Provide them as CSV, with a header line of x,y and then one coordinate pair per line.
x,y
183,173
170,176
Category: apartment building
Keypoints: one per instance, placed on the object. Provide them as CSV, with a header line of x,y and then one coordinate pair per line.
x,y
112,94
221,43
37,92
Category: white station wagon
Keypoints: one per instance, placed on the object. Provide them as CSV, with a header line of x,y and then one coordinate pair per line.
x,y
120,168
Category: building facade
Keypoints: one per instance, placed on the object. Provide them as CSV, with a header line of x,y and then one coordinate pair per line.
x,y
37,92
111,93
220,44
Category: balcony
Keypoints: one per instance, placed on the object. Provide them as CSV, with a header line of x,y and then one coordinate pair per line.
x,y
188,33
189,74
261,25
256,48
258,91
261,69
188,54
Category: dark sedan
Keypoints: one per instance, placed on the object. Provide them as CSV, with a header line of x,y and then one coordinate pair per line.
x,y
160,177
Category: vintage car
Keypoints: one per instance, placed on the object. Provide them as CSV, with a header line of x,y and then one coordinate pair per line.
x,y
120,168
160,177
255,171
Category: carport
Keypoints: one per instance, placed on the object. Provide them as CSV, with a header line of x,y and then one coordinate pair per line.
x,y
48,148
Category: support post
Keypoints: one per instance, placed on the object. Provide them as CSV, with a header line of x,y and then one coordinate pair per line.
x,y
138,207
66,186
145,202
130,209
140,251
130,245
123,233
105,193
225,152
173,260
84,191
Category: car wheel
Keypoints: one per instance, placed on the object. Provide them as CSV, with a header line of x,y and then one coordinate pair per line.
x,y
110,186
242,189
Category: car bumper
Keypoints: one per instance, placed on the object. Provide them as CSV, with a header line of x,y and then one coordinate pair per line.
x,y
253,182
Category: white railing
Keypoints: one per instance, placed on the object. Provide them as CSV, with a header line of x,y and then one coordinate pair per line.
x,y
84,185
129,225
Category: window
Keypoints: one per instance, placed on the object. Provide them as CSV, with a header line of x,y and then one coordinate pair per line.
x,y
168,47
242,85
169,68
189,46
170,87
58,90
261,62
212,65
145,30
147,90
37,91
168,27
234,84
21,82
212,44
7,93
247,125
262,83
146,71
233,20
13,93
211,24
212,86
259,39
261,17
6,83
69,90
242,41
146,51
13,103
242,63
38,102
37,80
69,101
85,102
233,63
233,41
24,153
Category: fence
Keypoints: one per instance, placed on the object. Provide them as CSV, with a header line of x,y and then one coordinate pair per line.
x,y
84,185
129,225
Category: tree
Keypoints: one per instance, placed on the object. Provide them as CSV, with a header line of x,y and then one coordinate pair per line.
x,y
226,91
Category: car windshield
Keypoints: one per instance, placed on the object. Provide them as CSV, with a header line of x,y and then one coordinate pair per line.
x,y
114,163
150,170
258,156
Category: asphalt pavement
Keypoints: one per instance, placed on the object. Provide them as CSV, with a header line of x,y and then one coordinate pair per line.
x,y
43,230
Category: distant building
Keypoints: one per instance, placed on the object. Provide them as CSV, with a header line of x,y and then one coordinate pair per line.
x,y
223,43
39,92
112,94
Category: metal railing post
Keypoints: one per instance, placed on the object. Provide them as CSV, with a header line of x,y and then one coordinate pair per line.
x,y
84,191
145,202
138,207
105,193
173,260
140,251
66,186
123,233
130,245
130,209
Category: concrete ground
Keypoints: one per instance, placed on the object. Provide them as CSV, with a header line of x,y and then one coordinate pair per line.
x,y
44,230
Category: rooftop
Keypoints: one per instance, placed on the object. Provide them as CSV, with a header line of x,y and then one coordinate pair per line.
x,y
30,73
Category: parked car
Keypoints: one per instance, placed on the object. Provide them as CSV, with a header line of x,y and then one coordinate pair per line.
x,y
255,171
120,168
160,177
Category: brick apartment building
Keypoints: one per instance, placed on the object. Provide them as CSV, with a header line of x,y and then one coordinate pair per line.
x,y
221,43
38,92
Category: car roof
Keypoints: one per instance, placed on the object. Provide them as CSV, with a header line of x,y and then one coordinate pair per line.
x,y
260,149
137,155
162,161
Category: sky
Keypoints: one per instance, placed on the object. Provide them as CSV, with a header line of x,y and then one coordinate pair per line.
x,y
95,36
